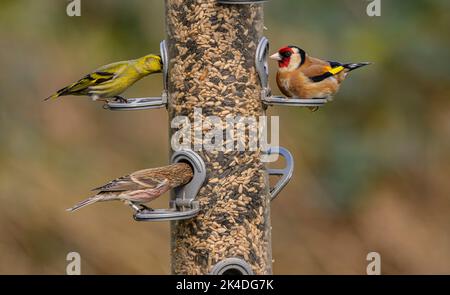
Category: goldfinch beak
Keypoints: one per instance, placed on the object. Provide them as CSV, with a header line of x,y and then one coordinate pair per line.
x,y
276,56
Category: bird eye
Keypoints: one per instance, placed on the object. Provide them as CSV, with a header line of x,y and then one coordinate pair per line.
x,y
287,54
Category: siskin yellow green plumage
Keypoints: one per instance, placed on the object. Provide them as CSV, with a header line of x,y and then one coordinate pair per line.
x,y
111,80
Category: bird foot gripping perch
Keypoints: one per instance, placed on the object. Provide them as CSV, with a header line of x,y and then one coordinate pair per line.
x,y
145,103
262,67
183,204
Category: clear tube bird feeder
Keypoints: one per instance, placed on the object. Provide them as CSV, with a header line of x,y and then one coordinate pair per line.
x,y
212,67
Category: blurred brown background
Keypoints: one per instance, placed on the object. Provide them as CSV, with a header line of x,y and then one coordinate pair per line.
x,y
372,168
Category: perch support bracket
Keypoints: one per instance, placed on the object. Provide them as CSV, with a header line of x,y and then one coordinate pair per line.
x,y
136,104
285,173
184,205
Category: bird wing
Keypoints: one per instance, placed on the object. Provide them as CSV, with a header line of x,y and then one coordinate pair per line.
x,y
144,179
82,86
124,183
101,75
149,178
318,70
114,69
91,79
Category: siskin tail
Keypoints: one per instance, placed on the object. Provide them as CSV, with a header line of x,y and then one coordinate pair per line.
x,y
53,96
354,66
84,203
58,93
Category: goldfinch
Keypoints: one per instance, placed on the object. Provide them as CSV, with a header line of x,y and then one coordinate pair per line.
x,y
110,81
302,76
141,186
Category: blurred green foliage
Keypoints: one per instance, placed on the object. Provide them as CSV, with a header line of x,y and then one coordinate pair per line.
x,y
371,167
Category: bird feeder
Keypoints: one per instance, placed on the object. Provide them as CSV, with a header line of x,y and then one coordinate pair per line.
x,y
215,59
212,49
267,98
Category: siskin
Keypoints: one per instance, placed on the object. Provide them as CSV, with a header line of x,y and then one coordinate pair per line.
x,y
141,186
302,76
110,81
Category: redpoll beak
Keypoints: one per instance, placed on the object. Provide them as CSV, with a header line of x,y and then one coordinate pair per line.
x,y
276,56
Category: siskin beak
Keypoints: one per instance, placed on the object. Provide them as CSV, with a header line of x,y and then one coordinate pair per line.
x,y
276,56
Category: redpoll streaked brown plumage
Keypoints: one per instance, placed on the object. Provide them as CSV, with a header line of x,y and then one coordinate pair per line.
x,y
141,186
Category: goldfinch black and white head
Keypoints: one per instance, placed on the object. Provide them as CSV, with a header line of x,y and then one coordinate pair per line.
x,y
289,58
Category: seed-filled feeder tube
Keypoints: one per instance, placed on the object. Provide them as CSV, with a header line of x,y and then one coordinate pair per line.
x,y
212,74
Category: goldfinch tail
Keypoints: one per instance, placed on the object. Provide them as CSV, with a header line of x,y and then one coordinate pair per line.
x,y
84,203
354,66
